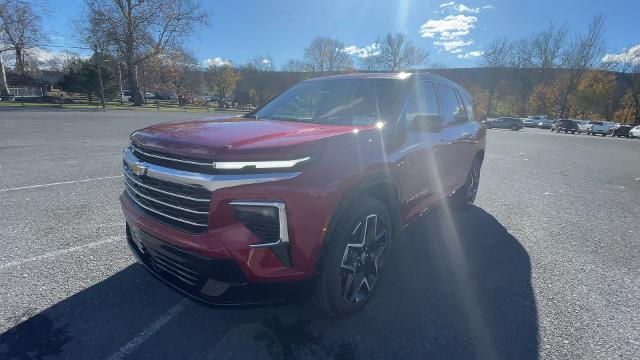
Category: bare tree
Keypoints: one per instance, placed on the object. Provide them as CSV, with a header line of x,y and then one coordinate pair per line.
x,y
20,28
222,79
327,55
4,89
583,53
520,62
370,63
546,48
629,65
142,29
397,52
295,66
262,63
494,59
178,68
90,33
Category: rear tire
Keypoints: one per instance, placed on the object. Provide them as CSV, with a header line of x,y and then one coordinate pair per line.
x,y
465,196
353,261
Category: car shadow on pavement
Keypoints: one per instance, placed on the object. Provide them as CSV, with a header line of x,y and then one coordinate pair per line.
x,y
456,286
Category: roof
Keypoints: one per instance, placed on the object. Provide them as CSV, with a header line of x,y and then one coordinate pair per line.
x,y
392,75
377,75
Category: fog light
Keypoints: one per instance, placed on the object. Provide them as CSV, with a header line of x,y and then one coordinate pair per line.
x,y
268,222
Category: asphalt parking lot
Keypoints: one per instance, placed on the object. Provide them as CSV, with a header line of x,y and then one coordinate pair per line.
x,y
546,266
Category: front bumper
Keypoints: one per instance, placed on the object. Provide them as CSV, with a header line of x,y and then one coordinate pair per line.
x,y
214,282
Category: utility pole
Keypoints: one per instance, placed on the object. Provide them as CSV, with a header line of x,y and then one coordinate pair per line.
x,y
120,79
99,68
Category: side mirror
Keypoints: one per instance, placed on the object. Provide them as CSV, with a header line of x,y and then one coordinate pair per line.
x,y
426,123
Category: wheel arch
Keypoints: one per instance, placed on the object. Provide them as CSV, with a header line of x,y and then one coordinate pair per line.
x,y
379,186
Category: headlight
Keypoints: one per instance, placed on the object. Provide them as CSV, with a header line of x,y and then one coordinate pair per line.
x,y
275,164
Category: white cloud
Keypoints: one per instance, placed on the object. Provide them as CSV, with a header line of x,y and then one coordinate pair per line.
x,y
459,8
450,33
462,8
217,61
453,46
451,27
265,61
363,52
447,4
630,55
45,59
471,55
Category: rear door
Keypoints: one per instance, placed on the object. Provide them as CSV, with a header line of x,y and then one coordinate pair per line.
x,y
457,138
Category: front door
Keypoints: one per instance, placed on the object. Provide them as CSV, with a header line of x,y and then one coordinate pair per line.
x,y
420,165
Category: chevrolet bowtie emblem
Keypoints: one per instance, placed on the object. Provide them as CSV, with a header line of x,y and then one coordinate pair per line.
x,y
138,169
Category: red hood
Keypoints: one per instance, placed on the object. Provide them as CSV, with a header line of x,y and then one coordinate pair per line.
x,y
244,138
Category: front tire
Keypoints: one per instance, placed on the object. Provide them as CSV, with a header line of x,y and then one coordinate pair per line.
x,y
353,263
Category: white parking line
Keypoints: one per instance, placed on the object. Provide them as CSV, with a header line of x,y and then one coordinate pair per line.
x,y
148,332
59,183
62,157
60,252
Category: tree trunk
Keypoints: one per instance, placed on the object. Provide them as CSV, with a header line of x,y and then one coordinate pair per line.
x,y
130,60
132,78
563,104
4,88
19,59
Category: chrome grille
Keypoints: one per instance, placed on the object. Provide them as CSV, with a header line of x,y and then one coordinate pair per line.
x,y
173,161
182,206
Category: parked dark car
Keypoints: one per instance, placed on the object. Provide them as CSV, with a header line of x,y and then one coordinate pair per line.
x,y
568,126
621,130
308,189
504,123
545,124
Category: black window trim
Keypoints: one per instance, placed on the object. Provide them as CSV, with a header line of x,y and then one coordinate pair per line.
x,y
402,121
460,104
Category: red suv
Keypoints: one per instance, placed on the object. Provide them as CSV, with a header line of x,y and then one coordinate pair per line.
x,y
307,190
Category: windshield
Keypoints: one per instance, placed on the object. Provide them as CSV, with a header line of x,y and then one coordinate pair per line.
x,y
358,102
596,123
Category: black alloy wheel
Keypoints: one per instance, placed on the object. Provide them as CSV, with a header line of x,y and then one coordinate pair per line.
x,y
363,258
473,182
356,250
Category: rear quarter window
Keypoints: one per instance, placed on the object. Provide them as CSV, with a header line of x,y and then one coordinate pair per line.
x,y
450,108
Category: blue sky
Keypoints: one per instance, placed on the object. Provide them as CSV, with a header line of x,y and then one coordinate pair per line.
x,y
453,32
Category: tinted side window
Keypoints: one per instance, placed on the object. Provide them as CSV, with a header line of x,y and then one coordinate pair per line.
x,y
463,112
450,108
421,101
